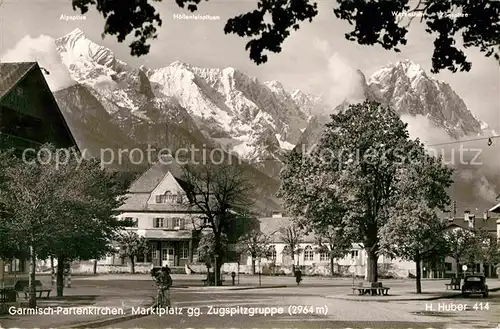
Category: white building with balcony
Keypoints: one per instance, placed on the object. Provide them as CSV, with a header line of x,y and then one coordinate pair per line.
x,y
157,203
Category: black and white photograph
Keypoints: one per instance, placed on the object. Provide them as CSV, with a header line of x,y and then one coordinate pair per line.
x,y
248,164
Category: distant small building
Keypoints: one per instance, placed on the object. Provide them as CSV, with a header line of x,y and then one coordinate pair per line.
x,y
312,259
470,221
316,262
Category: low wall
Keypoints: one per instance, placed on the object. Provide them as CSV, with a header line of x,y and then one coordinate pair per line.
x,y
84,268
319,269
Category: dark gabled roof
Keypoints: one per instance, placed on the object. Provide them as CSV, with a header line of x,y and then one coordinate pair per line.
x,y
495,209
148,181
12,73
479,223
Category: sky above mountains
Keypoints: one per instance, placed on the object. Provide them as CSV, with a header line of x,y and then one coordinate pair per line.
x,y
316,59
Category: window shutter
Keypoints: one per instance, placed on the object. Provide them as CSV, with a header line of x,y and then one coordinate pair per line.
x,y
168,222
181,223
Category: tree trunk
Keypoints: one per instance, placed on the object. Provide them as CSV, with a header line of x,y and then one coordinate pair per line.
x,y
372,275
60,277
457,274
32,299
95,266
217,271
293,263
418,276
253,265
219,260
332,265
132,265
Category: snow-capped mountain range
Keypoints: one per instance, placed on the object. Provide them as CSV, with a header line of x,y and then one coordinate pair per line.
x,y
181,104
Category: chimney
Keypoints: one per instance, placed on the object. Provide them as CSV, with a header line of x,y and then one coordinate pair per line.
x,y
466,215
486,215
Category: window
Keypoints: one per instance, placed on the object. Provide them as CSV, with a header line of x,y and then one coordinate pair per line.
x,y
153,246
354,253
308,254
448,267
177,222
158,222
272,253
168,197
134,221
323,256
185,250
165,254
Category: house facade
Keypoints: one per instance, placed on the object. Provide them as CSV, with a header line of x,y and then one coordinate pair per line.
x,y
29,117
314,262
487,221
156,202
355,262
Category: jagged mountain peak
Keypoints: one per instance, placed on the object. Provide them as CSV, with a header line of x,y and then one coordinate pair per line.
x,y
406,87
275,84
76,33
309,104
180,64
260,119
75,47
407,69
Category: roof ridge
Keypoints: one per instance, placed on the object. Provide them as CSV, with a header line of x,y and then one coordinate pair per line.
x,y
33,64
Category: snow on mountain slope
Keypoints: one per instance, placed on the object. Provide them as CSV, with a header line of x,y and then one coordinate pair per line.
x,y
96,66
260,121
419,99
406,88
229,104
309,104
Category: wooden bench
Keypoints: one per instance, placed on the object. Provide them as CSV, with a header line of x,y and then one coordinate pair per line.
x,y
360,288
454,284
376,288
22,286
